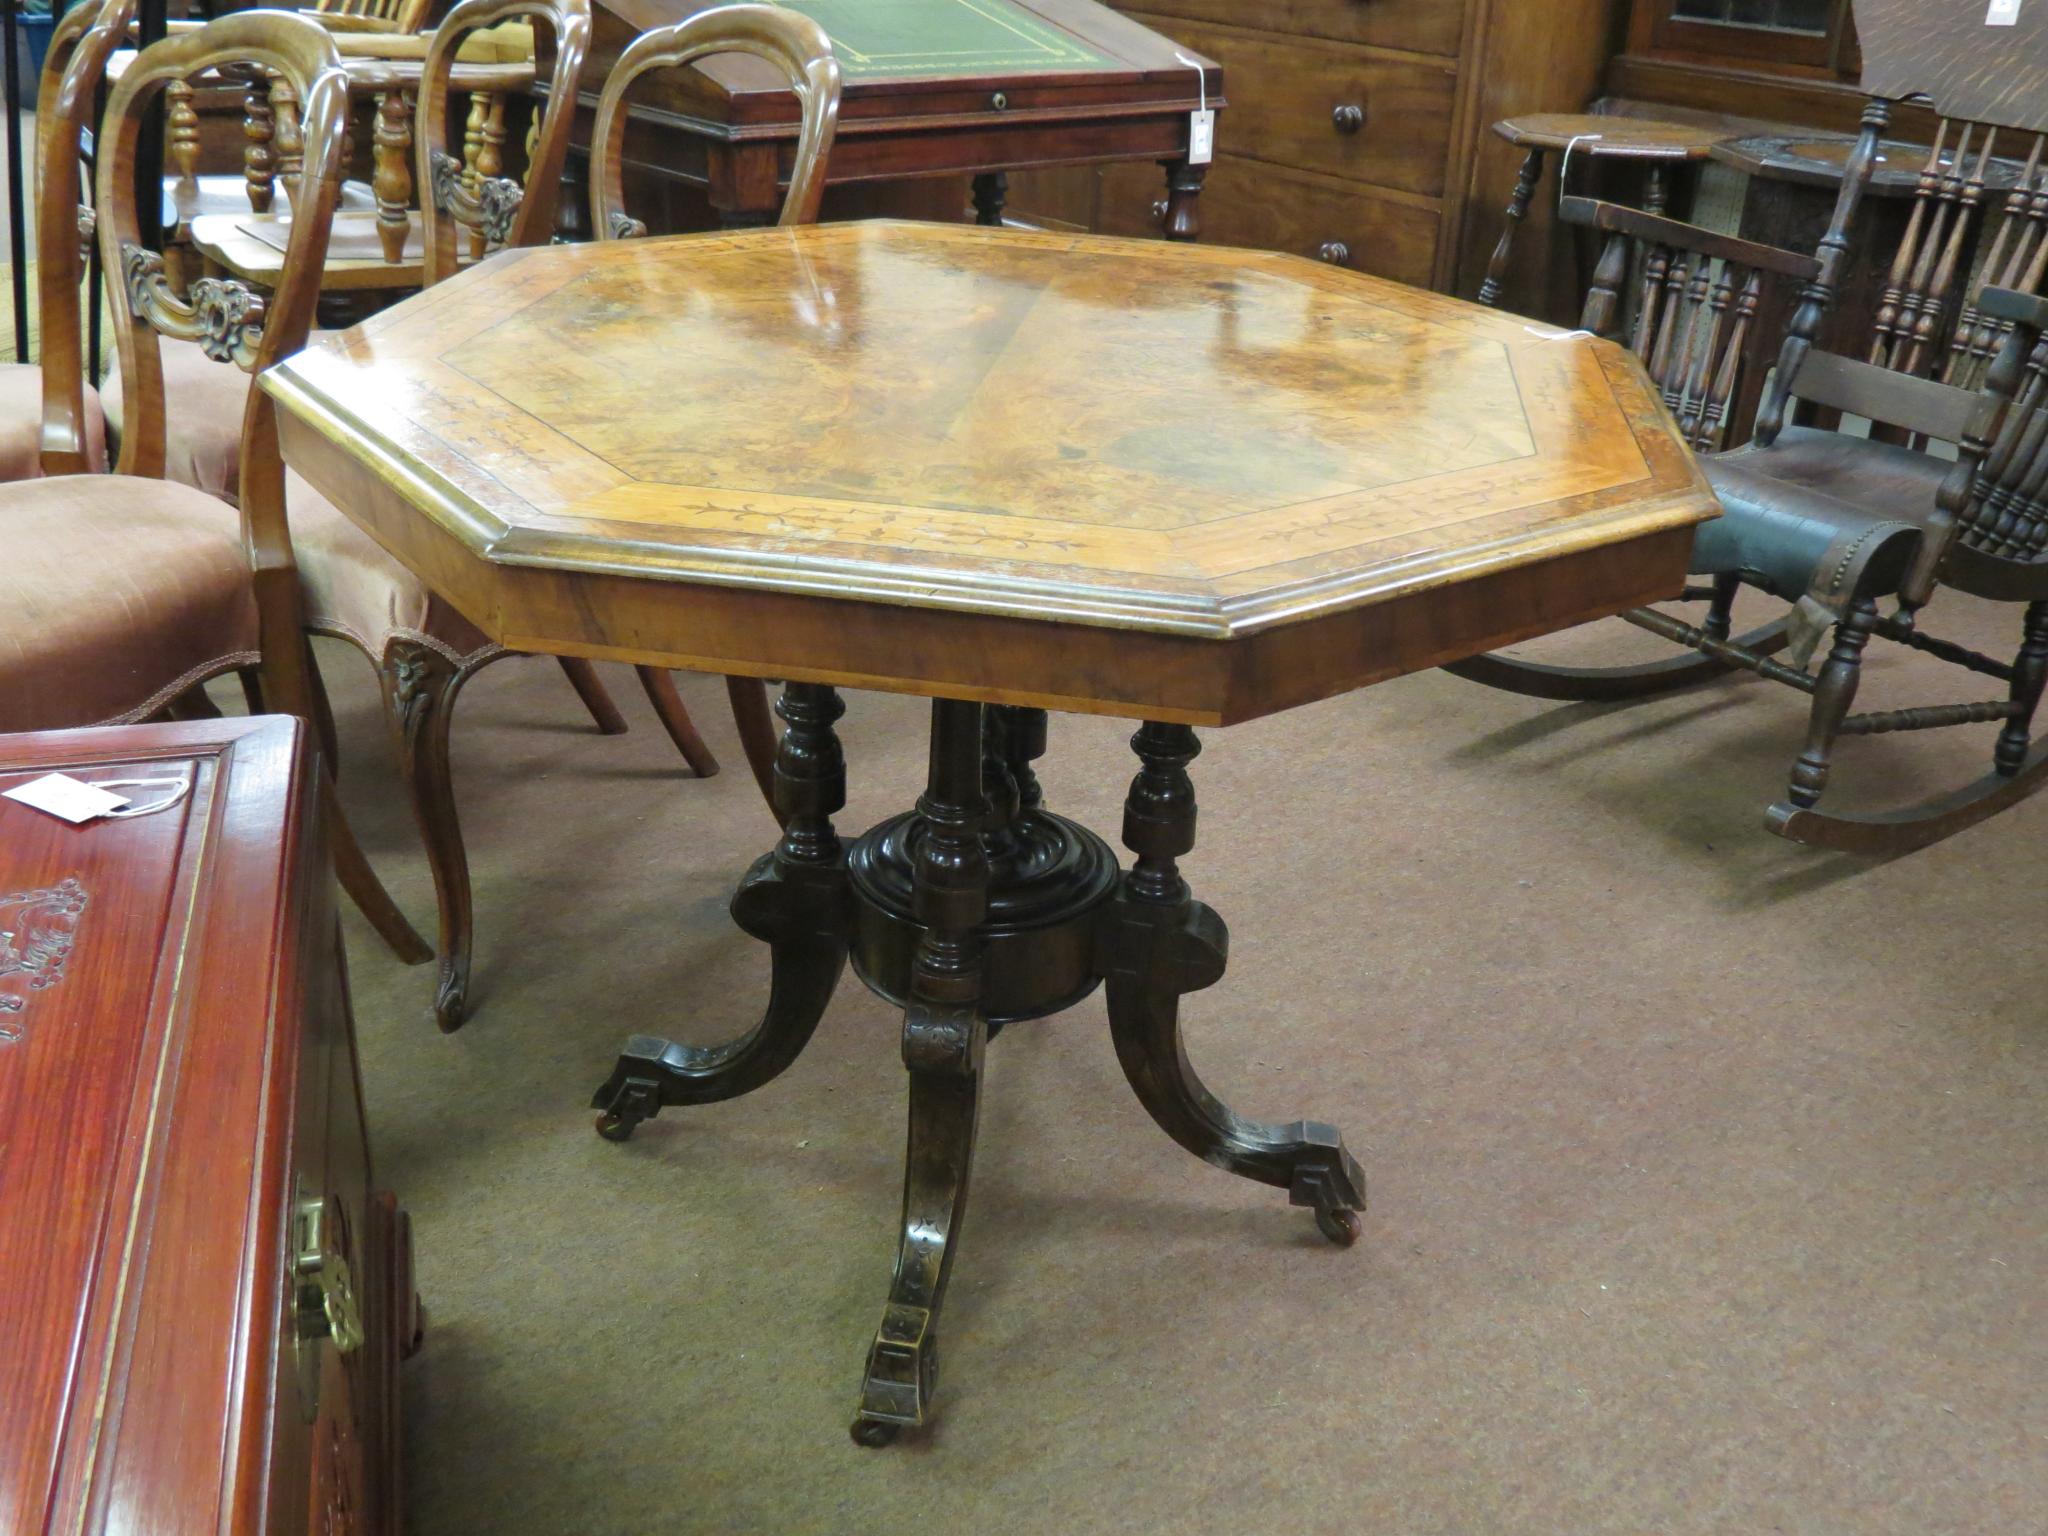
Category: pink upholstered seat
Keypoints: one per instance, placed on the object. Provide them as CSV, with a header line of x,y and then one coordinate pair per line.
x,y
21,423
356,591
116,595
203,405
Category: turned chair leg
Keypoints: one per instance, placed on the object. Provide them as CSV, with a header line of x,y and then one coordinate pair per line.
x,y
420,685
604,714
1721,611
1832,697
2029,675
1518,210
756,724
675,719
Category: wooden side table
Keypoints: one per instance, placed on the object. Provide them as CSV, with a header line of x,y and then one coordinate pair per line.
x,y
1014,474
1655,147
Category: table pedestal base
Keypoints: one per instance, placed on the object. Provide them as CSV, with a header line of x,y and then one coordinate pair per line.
x,y
979,908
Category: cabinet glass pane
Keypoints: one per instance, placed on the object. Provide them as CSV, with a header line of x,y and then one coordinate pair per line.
x,y
1808,16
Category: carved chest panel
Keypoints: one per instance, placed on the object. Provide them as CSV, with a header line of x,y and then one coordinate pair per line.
x,y
198,1291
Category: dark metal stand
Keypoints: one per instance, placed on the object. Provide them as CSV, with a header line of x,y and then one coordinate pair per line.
x,y
979,908
17,194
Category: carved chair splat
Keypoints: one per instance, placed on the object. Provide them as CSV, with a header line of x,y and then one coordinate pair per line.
x,y
799,47
1837,523
221,588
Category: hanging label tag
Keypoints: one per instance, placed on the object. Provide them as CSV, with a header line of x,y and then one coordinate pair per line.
x,y
2003,13
1201,121
69,799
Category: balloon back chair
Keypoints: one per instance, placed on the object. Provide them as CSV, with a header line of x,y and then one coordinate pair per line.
x,y
126,591
798,47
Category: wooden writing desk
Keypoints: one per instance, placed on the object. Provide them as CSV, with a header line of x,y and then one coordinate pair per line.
x,y
1016,473
203,1297
933,88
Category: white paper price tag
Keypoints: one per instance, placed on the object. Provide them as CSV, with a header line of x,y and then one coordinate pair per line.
x,y
1201,136
69,799
2003,13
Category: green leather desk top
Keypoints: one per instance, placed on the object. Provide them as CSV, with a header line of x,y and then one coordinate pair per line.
x,y
943,38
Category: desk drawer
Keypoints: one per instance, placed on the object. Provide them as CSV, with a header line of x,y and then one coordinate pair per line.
x,y
1418,26
1248,204
1321,107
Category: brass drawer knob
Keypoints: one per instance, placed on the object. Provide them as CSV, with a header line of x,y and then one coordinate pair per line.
x,y
1335,252
1348,118
1159,210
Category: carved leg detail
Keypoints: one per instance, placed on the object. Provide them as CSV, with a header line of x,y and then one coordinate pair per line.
x,y
1518,210
794,900
991,191
944,1037
660,689
1832,698
420,685
1159,944
749,699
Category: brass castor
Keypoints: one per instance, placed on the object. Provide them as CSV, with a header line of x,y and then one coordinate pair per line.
x,y
1339,1225
614,1126
874,1433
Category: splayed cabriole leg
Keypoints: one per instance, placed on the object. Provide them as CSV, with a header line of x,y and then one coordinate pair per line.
x,y
1160,943
795,901
945,1033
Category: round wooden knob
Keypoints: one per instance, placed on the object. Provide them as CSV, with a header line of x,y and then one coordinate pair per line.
x,y
1347,118
1335,252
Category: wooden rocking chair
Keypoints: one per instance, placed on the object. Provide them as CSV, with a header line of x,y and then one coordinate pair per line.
x,y
1834,523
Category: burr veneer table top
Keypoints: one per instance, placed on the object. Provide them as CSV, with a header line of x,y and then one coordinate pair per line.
x,y
1124,477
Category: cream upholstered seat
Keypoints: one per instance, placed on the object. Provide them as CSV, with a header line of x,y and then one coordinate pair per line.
x,y
163,602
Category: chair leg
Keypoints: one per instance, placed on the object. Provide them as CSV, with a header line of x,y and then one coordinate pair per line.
x,y
756,723
2029,675
1721,611
675,719
604,714
193,704
251,679
1518,209
420,685
1832,698
360,881
323,714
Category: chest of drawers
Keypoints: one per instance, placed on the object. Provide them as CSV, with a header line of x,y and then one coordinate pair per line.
x,y
202,1296
1357,130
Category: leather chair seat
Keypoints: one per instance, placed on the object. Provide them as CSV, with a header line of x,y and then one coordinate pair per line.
x,y
21,424
117,594
1818,513
357,592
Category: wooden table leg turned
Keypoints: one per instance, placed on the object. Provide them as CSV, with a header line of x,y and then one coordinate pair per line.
x,y
1518,210
978,909
1183,186
1162,943
794,901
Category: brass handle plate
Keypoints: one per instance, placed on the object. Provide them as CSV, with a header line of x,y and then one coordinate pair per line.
x,y
324,1303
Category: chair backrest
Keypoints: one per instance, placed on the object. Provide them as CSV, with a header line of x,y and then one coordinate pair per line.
x,y
379,15
787,39
85,38
1690,297
1991,530
458,206
232,323
1977,218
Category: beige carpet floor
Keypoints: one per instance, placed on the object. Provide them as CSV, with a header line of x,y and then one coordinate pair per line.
x,y
1707,1171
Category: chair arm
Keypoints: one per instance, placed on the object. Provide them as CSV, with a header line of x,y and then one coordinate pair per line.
x,y
1633,222
2026,309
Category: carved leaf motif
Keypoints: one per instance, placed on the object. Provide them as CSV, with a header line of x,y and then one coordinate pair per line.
x,y
491,208
625,227
224,317
36,929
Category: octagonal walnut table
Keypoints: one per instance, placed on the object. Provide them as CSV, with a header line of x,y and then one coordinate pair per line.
x,y
1014,473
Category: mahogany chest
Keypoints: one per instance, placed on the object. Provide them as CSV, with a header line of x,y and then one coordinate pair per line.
x,y
203,1297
